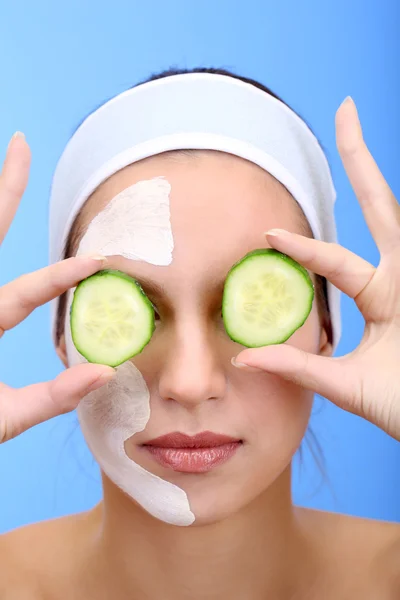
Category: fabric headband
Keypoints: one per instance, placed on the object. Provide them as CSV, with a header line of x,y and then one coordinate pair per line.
x,y
195,111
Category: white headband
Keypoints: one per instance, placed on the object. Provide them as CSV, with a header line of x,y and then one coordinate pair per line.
x,y
195,111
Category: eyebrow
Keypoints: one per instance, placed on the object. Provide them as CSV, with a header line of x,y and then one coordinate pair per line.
x,y
150,287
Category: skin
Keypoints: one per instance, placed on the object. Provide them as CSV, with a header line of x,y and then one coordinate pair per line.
x,y
249,541
187,365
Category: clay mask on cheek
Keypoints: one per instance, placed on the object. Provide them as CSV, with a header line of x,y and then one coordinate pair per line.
x,y
135,224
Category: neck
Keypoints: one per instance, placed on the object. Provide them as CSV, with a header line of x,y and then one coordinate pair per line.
x,y
258,552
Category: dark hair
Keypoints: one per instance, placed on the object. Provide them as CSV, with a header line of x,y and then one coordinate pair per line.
x,y
76,231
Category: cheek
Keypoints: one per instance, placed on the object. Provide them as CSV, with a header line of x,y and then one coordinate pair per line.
x,y
276,411
307,337
277,415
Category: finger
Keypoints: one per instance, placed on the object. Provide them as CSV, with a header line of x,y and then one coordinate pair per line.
x,y
21,296
347,271
23,408
328,377
380,208
13,180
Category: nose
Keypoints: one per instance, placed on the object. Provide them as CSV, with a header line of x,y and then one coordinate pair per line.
x,y
192,371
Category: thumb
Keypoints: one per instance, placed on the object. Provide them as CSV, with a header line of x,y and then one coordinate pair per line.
x,y
325,376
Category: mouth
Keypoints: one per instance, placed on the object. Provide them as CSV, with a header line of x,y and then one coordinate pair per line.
x,y
192,454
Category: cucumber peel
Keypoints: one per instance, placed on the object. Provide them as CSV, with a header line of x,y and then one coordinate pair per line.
x,y
111,318
267,297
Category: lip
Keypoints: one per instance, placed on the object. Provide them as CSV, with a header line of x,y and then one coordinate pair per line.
x,y
192,454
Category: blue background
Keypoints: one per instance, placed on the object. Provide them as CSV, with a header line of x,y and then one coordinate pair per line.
x,y
59,60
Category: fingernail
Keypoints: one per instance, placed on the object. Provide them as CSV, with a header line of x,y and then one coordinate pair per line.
x,y
276,232
240,365
98,257
347,100
102,380
19,135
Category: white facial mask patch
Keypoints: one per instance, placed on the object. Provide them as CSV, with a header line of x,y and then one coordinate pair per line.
x,y
135,224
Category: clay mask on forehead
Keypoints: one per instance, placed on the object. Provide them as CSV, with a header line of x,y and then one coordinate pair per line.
x,y
135,224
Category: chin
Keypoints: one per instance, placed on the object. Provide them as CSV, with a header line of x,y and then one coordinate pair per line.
x,y
211,514
215,499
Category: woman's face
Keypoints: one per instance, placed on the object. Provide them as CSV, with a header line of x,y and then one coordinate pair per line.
x,y
220,207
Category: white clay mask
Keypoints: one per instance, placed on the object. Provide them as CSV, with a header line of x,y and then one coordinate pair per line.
x,y
135,224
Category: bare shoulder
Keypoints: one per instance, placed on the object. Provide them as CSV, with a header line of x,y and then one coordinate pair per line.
x,y
31,557
361,549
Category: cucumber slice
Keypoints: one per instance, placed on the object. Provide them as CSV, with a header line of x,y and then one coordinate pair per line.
x,y
267,296
111,318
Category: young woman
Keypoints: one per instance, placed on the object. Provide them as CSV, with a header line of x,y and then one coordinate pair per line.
x,y
172,183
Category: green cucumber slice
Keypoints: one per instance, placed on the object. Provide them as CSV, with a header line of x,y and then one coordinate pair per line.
x,y
267,297
111,318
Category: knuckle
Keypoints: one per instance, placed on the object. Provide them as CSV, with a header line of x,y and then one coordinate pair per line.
x,y
13,188
54,277
3,431
336,267
301,371
348,148
62,274
6,430
69,403
23,295
63,403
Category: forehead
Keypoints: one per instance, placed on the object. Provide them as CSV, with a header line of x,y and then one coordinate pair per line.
x,y
220,204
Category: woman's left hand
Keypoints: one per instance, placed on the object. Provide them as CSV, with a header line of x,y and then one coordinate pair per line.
x,y
366,381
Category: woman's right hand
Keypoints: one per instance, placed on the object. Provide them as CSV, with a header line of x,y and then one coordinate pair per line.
x,y
22,408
